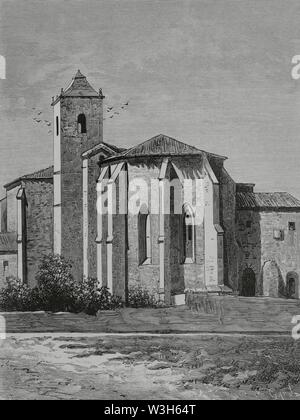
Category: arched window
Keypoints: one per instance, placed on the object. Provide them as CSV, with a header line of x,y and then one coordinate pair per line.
x,y
144,233
81,124
188,233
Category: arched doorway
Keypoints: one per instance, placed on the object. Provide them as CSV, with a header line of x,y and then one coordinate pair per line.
x,y
292,284
273,284
248,286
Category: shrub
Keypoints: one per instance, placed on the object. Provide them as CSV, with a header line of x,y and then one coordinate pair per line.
x,y
141,298
56,283
89,298
19,297
57,291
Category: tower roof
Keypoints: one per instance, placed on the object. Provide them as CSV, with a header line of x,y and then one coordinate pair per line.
x,y
80,87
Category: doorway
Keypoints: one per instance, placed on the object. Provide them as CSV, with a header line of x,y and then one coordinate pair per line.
x,y
248,287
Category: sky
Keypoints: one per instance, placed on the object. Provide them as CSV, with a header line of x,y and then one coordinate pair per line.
x,y
215,74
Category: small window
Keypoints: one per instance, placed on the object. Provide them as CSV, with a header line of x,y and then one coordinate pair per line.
x,y
278,234
188,230
172,202
248,224
144,233
81,124
57,126
292,226
5,264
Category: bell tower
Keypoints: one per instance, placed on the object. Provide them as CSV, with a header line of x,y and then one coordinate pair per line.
x,y
77,127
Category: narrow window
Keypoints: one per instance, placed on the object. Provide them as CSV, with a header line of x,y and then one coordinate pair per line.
x,y
248,224
144,233
81,124
148,238
57,126
188,235
172,200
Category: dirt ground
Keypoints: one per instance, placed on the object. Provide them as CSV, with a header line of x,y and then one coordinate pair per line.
x,y
97,366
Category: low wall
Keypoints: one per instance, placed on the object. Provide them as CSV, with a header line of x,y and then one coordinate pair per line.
x,y
206,303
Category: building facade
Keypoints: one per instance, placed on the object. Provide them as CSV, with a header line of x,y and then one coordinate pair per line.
x,y
162,215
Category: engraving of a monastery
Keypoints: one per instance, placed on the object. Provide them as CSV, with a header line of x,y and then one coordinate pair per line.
x,y
248,243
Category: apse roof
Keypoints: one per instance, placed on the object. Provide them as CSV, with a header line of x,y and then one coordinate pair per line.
x,y
162,145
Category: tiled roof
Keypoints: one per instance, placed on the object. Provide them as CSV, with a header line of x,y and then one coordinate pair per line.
x,y
162,145
8,242
42,173
46,173
80,87
257,201
110,148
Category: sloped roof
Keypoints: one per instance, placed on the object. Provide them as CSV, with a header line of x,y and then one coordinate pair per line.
x,y
80,87
8,242
271,201
46,173
42,173
162,145
111,148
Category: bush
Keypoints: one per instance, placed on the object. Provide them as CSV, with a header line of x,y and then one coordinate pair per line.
x,y
57,291
19,297
56,284
89,298
141,298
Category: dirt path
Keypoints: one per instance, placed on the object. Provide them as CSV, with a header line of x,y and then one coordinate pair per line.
x,y
118,367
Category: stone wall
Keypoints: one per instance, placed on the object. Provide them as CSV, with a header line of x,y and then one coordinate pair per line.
x,y
93,175
3,215
227,221
73,144
9,268
39,224
286,252
146,276
11,196
248,233
270,259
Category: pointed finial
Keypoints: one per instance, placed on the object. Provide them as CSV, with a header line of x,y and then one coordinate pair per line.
x,y
79,75
101,93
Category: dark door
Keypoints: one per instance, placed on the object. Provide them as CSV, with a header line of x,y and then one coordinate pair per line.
x,y
292,284
248,283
